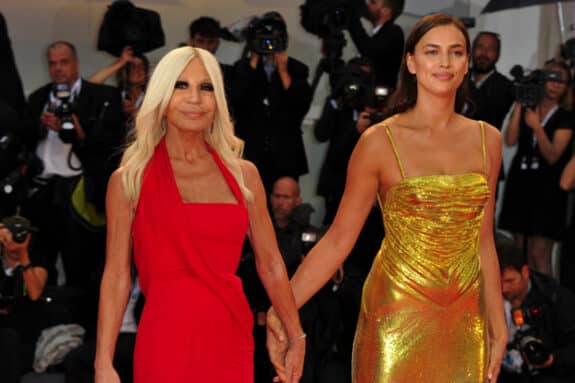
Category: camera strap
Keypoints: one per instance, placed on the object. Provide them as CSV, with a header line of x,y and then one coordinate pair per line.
x,y
543,123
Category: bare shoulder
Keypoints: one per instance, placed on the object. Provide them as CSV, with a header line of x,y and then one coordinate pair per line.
x,y
249,171
116,194
373,138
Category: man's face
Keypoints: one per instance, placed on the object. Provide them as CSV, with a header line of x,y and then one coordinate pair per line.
x,y
210,44
515,285
284,198
63,66
373,9
484,54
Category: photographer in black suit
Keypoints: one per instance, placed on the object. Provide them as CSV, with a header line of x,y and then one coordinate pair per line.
x,y
384,46
541,324
271,96
76,129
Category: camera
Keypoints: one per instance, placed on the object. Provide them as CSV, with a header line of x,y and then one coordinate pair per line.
x,y
19,226
64,111
530,88
531,347
267,35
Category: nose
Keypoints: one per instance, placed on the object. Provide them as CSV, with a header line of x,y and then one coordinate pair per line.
x,y
444,60
193,96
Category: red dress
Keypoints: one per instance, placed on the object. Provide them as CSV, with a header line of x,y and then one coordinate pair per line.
x,y
196,325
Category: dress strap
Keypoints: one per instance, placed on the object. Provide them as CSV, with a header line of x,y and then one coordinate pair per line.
x,y
395,152
483,147
230,179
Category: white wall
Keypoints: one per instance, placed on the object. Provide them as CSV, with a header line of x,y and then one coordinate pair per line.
x,y
529,36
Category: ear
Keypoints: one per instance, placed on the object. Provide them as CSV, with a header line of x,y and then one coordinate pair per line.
x,y
525,271
409,63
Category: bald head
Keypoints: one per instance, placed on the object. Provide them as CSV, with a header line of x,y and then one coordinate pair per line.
x,y
285,197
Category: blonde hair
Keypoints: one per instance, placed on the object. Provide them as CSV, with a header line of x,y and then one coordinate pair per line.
x,y
150,125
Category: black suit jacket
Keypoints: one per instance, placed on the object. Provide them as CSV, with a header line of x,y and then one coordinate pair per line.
x,y
269,117
384,49
99,109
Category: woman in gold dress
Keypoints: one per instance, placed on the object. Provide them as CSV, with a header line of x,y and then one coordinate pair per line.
x,y
431,308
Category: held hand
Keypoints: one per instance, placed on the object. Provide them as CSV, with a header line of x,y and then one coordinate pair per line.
x,y
497,351
50,121
294,359
276,344
532,118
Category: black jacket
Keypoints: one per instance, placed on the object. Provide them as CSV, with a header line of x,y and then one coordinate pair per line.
x,y
99,109
269,117
384,49
552,316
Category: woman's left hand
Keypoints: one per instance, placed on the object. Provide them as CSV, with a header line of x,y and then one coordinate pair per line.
x,y
496,356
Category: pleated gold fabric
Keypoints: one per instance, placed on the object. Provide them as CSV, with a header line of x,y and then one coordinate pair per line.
x,y
422,317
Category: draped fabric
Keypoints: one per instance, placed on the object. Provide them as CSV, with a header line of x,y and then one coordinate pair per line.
x,y
422,317
196,324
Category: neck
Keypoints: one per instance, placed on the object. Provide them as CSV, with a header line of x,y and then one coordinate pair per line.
x,y
186,146
547,104
478,77
433,112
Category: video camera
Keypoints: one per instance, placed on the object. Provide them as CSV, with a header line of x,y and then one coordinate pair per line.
x,y
267,34
64,111
530,88
354,88
327,19
531,347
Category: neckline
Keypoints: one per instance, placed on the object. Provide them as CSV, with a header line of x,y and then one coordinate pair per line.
x,y
172,180
424,176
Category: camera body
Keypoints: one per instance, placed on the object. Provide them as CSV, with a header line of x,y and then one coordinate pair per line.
x,y
64,111
527,340
530,88
267,35
19,226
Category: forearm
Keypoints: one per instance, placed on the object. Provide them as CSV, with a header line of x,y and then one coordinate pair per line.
x,y
113,298
275,281
568,175
105,73
317,267
493,298
550,152
35,280
512,131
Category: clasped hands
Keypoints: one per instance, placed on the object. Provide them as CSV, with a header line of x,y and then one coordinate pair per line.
x,y
286,354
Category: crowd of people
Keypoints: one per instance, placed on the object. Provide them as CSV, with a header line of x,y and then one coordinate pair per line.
x,y
183,183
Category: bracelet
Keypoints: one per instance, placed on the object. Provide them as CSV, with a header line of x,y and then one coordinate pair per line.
x,y
296,338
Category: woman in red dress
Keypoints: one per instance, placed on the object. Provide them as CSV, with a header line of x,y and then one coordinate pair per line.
x,y
182,202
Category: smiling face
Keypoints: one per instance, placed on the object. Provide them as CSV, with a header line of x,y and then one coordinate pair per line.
x,y
439,61
192,106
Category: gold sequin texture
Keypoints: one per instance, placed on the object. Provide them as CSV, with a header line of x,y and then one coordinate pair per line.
x,y
422,316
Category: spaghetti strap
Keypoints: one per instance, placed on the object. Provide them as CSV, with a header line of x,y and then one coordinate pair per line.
x,y
483,147
395,152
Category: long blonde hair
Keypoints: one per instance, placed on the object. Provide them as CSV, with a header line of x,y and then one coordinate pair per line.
x,y
150,125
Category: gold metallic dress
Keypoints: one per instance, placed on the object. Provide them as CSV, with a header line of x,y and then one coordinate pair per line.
x,y
422,317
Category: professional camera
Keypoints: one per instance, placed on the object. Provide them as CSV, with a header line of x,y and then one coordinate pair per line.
x,y
531,347
568,50
530,88
64,111
19,226
267,35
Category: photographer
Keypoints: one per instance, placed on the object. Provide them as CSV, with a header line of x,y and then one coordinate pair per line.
x,y
541,324
385,45
295,236
76,128
22,281
270,96
534,206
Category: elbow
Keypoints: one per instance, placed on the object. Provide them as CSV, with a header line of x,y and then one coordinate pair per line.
x,y
509,142
566,184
